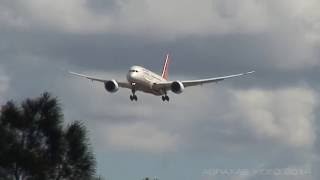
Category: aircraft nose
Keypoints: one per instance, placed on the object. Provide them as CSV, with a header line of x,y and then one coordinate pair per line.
x,y
131,76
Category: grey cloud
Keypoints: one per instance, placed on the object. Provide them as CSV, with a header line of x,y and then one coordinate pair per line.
x,y
103,6
282,49
215,125
157,19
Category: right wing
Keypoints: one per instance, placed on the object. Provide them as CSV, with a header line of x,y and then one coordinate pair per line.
x,y
121,84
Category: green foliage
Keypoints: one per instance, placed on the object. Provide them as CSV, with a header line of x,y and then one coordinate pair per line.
x,y
34,145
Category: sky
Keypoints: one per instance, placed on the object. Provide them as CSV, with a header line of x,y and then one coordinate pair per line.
x,y
257,127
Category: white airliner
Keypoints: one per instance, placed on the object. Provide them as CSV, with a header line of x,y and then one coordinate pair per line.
x,y
142,79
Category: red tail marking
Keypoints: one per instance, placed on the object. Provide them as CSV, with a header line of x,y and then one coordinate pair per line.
x,y
165,73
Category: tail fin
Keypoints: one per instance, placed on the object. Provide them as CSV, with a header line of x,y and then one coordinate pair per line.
x,y
165,70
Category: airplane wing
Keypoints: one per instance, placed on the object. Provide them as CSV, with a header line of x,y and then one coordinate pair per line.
x,y
121,84
209,80
188,83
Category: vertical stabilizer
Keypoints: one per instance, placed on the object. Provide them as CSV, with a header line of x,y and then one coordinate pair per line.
x,y
165,70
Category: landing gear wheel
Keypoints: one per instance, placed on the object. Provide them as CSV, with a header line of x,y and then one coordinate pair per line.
x,y
165,98
133,98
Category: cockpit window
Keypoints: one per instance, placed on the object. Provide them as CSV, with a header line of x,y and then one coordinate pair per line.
x,y
131,70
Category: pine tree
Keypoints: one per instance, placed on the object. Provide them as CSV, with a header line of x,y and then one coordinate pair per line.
x,y
34,145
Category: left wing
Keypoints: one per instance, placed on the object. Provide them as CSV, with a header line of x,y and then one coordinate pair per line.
x,y
121,84
209,80
188,83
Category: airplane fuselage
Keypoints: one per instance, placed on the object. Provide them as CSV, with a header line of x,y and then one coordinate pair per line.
x,y
143,80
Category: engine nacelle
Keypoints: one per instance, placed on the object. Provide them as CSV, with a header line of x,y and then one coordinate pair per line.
x,y
111,86
177,87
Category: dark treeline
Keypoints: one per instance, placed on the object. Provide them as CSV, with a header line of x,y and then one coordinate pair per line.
x,y
35,144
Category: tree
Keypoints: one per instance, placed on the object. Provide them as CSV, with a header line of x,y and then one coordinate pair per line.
x,y
34,145
77,156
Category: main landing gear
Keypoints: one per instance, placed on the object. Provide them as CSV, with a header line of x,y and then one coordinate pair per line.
x,y
165,98
133,97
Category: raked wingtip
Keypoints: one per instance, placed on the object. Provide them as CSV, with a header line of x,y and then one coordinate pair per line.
x,y
250,72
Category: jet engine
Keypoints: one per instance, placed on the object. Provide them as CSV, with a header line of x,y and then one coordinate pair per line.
x,y
177,87
111,86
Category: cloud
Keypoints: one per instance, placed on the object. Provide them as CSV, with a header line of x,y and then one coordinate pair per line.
x,y
168,19
285,115
183,18
239,118
71,16
139,137
228,117
217,119
165,18
282,35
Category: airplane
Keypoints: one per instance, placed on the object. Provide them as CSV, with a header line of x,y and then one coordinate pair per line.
x,y
142,79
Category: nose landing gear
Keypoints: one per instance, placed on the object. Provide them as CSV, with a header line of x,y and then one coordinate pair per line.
x,y
133,97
